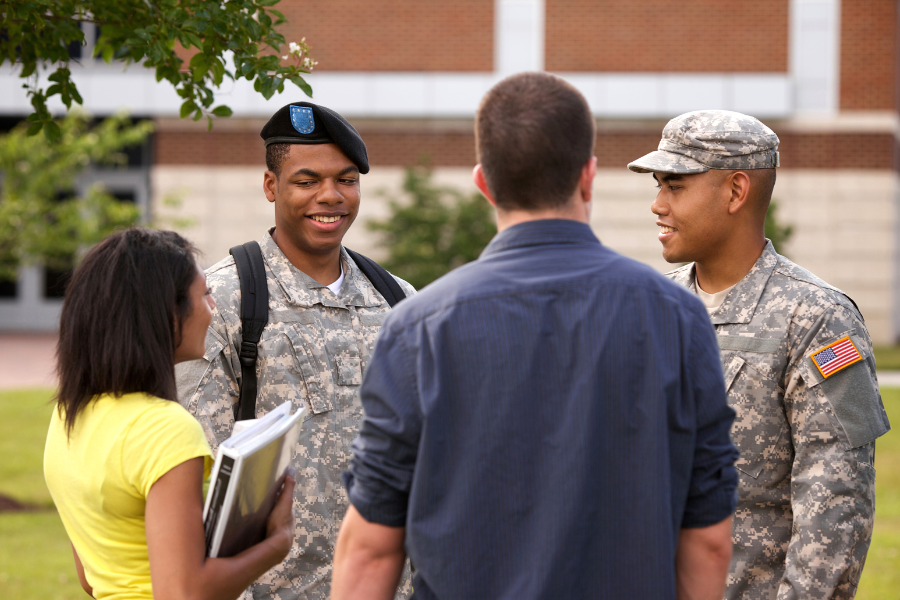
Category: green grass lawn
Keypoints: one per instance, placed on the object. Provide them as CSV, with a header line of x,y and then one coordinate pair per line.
x,y
36,559
35,556
887,358
24,418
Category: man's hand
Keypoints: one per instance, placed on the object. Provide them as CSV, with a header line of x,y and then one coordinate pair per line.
x,y
368,559
701,562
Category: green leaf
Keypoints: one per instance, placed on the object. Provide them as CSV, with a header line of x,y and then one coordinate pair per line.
x,y
187,107
194,39
301,83
218,71
34,129
222,111
199,66
52,131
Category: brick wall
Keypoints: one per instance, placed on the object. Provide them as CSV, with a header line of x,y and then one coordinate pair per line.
x,y
456,148
868,54
394,35
653,36
212,148
836,150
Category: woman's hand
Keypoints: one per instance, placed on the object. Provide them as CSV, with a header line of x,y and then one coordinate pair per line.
x,y
176,543
280,526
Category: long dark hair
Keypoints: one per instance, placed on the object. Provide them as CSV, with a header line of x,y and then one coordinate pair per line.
x,y
121,319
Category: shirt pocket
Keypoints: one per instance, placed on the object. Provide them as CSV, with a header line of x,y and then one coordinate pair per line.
x,y
760,424
344,352
313,369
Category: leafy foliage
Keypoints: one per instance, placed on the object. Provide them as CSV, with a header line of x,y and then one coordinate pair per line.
x,y
441,229
42,220
775,231
38,33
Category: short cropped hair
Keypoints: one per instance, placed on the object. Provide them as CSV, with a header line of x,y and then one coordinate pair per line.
x,y
276,154
533,134
121,319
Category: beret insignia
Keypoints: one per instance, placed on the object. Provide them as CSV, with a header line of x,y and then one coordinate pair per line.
x,y
302,119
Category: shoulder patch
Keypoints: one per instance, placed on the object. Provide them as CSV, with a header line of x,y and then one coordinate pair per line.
x,y
836,356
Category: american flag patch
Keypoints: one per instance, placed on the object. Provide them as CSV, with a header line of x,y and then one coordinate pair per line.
x,y
834,357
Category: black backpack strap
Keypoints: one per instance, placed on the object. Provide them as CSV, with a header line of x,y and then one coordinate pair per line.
x,y
383,281
254,315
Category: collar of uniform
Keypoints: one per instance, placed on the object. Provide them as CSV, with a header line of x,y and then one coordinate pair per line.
x,y
539,233
740,303
303,290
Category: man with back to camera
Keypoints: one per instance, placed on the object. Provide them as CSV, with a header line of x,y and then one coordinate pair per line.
x,y
323,317
797,361
548,421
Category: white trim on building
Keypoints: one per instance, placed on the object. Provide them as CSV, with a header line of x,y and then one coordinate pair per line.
x,y
811,86
815,55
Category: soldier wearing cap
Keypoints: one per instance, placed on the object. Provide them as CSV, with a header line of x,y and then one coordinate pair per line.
x,y
324,315
797,361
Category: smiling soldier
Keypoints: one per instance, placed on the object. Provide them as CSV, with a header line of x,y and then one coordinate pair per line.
x,y
315,338
797,360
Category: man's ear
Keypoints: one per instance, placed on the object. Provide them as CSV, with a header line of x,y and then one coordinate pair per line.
x,y
586,180
270,182
481,183
739,185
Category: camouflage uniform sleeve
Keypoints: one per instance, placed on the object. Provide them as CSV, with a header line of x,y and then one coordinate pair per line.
x,y
208,387
407,288
834,422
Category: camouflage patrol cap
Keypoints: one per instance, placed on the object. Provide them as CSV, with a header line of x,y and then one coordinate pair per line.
x,y
698,141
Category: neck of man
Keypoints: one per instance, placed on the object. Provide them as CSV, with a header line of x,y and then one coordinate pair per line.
x,y
573,210
731,260
324,267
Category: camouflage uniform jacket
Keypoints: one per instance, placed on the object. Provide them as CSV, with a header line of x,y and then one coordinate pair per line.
x,y
807,483
312,352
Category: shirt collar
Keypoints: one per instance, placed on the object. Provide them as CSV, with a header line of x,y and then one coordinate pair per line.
x,y
740,303
303,290
540,233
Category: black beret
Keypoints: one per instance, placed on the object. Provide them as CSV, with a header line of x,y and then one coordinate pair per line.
x,y
308,123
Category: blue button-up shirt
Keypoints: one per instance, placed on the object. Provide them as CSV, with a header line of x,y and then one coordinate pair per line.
x,y
543,421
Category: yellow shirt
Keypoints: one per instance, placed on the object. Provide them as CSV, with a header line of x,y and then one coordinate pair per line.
x,y
99,479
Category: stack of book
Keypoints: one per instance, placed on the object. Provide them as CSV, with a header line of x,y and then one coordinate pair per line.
x,y
246,479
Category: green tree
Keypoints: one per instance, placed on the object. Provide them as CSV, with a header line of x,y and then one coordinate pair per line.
x,y
42,218
779,234
439,230
36,35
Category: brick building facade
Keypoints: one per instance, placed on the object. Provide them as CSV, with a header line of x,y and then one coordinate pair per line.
x,y
409,74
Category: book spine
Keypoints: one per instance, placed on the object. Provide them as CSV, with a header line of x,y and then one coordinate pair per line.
x,y
217,501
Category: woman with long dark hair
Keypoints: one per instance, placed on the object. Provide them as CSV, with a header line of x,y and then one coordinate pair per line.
x,y
124,461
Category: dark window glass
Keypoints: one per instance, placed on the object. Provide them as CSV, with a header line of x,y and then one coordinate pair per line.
x,y
75,49
138,156
124,196
9,288
55,282
7,123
